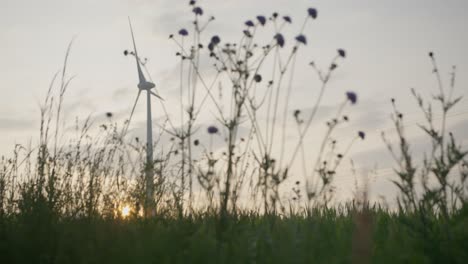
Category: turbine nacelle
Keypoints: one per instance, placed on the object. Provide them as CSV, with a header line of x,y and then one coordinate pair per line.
x,y
146,85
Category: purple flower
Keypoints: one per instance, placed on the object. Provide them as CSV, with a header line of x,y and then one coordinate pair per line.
x,y
287,19
342,53
312,12
183,32
362,135
211,46
301,38
198,11
352,97
279,39
249,23
261,19
215,40
212,130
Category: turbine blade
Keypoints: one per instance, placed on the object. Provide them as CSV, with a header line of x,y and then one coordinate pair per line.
x,y
154,94
131,114
141,76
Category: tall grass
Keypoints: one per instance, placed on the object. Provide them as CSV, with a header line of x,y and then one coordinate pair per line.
x,y
61,201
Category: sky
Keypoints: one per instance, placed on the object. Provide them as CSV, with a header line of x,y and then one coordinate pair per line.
x,y
387,43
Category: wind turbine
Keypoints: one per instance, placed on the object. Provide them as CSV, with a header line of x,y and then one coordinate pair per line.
x,y
144,85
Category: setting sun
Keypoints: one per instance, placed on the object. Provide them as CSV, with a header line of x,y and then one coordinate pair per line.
x,y
125,211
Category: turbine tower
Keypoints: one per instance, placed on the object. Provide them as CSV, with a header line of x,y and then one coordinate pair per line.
x,y
144,85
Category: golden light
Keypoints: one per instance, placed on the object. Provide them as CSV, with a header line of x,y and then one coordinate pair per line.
x,y
125,211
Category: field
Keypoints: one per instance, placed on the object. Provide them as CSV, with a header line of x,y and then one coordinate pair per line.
x,y
219,192
328,236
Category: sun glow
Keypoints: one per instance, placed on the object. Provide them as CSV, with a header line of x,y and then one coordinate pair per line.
x,y
126,211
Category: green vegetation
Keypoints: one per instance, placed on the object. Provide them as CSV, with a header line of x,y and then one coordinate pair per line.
x,y
326,236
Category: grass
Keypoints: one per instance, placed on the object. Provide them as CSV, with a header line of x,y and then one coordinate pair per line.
x,y
327,236
61,201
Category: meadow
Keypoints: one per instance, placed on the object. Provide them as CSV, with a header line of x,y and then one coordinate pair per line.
x,y
83,195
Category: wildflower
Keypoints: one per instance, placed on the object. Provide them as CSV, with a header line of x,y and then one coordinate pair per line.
x,y
312,12
125,52
352,97
261,19
279,39
249,23
183,32
362,135
247,33
212,130
302,39
215,40
198,11
211,46
258,78
192,2
342,53
287,19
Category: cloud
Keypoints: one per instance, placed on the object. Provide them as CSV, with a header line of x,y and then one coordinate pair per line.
x,y
16,124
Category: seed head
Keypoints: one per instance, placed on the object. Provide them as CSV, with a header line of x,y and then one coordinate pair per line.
x,y
258,78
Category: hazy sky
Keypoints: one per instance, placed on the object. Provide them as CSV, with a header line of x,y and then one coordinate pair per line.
x,y
387,44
